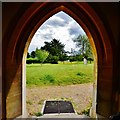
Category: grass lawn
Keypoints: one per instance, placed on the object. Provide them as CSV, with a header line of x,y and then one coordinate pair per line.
x,y
58,74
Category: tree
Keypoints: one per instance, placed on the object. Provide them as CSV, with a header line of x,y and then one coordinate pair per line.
x,y
53,59
33,54
55,48
83,43
41,55
28,55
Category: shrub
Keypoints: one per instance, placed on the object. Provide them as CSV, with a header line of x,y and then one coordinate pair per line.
x,y
38,114
86,111
52,59
32,60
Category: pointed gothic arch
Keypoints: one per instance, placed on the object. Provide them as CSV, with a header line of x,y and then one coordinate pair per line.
x,y
20,38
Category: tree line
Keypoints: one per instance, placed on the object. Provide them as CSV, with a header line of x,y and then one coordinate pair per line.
x,y
53,51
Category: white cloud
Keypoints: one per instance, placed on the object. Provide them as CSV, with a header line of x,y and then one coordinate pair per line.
x,y
60,26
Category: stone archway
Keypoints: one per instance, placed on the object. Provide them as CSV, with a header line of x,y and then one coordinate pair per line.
x,y
24,30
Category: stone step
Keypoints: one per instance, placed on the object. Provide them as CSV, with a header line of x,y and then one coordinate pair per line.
x,y
62,116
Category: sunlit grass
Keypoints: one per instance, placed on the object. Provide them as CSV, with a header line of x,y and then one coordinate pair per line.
x,y
59,74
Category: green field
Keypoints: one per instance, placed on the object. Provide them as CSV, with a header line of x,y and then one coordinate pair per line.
x,y
58,74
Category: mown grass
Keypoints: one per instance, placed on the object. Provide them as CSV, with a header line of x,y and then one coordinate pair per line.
x,y
58,74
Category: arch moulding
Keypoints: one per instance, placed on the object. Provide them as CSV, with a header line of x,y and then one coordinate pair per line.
x,y
21,37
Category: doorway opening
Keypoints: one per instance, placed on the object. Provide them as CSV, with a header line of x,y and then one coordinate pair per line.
x,y
68,71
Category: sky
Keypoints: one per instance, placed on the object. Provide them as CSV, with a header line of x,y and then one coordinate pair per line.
x,y
61,27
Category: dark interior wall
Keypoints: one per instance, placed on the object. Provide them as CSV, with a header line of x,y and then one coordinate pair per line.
x,y
11,14
109,13
8,12
0,85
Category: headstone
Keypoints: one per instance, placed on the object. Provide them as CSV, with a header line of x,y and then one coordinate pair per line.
x,y
85,61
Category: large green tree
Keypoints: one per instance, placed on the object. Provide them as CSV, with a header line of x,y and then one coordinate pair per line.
x,y
83,43
55,48
33,54
28,55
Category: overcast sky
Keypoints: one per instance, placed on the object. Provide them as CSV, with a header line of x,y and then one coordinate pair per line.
x,y
61,27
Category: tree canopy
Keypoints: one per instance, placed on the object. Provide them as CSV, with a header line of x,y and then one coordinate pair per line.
x,y
55,49
41,55
83,43
33,54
